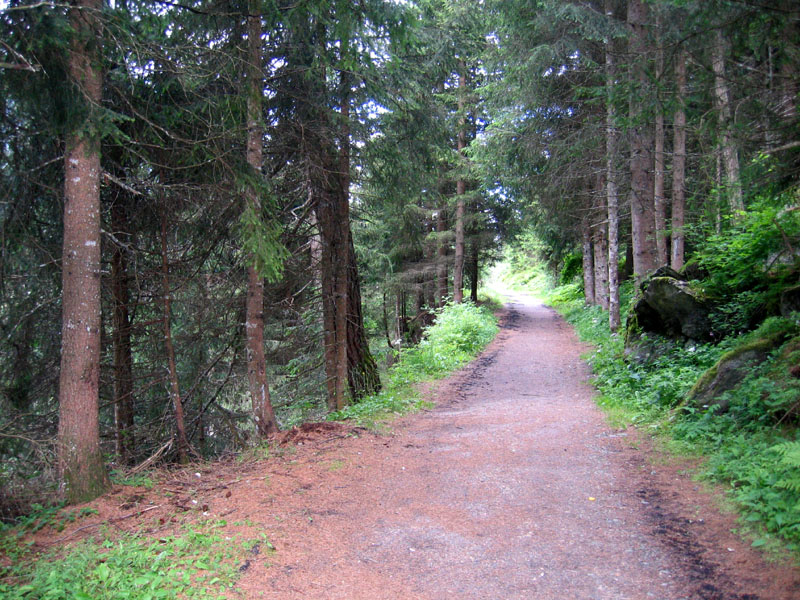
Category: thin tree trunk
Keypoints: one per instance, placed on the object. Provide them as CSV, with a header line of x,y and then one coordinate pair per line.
x,y
722,99
123,360
441,263
612,197
80,461
679,163
169,348
263,413
461,191
588,264
659,197
601,266
474,269
642,186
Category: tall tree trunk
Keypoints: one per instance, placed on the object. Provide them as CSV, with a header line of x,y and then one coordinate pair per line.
x,y
123,360
80,461
169,348
263,413
612,197
362,374
461,191
679,162
659,197
722,100
642,186
588,263
441,262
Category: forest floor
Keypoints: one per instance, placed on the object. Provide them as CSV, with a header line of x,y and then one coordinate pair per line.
x,y
512,486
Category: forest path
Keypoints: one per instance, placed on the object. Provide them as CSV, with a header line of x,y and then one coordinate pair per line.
x,y
512,487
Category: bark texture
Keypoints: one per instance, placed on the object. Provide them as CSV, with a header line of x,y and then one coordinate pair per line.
x,y
263,413
612,195
722,100
461,191
80,461
588,264
679,163
659,196
645,257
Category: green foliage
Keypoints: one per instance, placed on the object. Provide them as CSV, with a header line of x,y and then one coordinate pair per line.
x,y
751,262
138,480
747,447
459,333
198,563
262,240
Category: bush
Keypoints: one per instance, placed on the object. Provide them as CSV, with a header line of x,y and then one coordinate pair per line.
x,y
459,332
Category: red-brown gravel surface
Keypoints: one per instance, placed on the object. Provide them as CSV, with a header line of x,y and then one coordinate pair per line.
x,y
512,487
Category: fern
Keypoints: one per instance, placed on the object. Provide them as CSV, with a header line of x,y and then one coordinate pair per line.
x,y
789,453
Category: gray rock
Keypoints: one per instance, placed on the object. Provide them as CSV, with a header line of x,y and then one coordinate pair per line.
x,y
668,305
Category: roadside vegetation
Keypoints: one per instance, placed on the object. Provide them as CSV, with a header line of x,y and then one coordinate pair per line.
x,y
459,332
747,435
202,558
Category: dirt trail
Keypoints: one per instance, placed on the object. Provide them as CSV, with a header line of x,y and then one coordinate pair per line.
x,y
512,487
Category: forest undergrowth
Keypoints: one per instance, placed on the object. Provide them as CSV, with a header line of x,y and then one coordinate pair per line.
x,y
199,559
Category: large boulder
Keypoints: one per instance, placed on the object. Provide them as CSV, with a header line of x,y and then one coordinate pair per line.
x,y
668,305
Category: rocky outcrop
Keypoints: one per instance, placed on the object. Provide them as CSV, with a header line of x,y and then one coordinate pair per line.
x,y
670,306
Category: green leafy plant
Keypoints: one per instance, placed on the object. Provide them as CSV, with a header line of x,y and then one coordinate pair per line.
x,y
458,334
198,562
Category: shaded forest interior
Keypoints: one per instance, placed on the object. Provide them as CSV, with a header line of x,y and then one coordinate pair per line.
x,y
222,218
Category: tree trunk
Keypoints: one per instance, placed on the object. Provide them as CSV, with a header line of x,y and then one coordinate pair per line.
x,y
588,264
169,348
362,370
601,266
461,191
722,100
123,360
659,197
612,197
263,413
474,269
679,162
441,263
80,461
642,186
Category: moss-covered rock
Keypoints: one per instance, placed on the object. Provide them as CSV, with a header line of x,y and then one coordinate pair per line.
x,y
733,367
667,305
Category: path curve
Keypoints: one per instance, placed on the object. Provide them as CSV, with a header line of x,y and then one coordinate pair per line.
x,y
512,487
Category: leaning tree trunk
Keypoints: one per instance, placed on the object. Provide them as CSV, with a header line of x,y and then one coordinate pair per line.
x,y
123,360
80,461
679,162
263,413
642,186
722,101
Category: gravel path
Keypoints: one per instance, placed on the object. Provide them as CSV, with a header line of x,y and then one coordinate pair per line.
x,y
512,487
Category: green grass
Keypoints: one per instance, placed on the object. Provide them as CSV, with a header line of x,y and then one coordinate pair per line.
x,y
459,333
200,561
